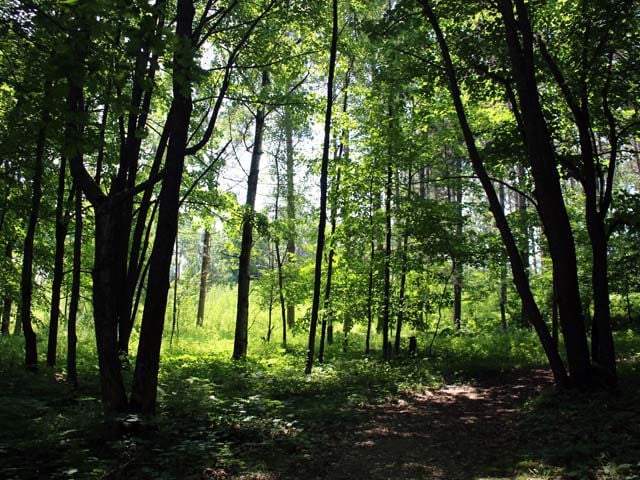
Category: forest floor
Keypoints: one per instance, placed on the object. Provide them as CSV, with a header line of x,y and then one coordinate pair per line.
x,y
458,431
482,408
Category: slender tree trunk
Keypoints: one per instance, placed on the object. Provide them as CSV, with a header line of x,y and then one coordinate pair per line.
x,y
401,299
372,256
291,207
145,380
457,263
279,257
204,272
386,345
72,338
241,340
62,224
525,233
503,275
327,316
26,283
517,267
317,281
174,315
281,295
7,300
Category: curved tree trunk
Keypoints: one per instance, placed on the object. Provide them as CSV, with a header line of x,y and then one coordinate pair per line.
x,y
520,278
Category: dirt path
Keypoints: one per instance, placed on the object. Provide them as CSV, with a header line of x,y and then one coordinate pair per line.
x,y
462,431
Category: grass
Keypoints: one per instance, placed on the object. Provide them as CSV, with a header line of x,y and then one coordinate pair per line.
x,y
263,413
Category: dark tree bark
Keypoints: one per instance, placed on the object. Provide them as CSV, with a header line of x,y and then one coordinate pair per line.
x,y
342,149
548,191
72,339
176,280
145,380
598,191
526,230
7,300
372,254
503,276
520,278
401,299
324,169
327,314
26,283
458,267
386,309
62,224
241,340
204,275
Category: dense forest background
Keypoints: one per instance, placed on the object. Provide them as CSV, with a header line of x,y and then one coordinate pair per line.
x,y
206,202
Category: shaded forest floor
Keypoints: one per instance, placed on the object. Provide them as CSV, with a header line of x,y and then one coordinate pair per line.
x,y
354,418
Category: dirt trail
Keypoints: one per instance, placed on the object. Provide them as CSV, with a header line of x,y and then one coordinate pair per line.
x,y
462,431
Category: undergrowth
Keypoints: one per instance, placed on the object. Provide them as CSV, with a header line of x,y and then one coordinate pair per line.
x,y
258,414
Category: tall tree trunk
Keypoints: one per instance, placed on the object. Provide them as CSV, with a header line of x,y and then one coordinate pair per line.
x,y
176,280
457,263
401,299
7,300
62,225
283,305
26,283
386,345
525,233
72,338
517,267
372,255
598,190
503,275
327,314
548,191
281,295
291,207
324,169
241,340
204,273
145,380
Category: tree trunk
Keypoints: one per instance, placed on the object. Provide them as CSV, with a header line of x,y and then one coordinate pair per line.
x,y
503,276
401,299
72,339
145,380
386,345
372,256
327,314
204,272
241,340
62,225
525,233
548,191
26,283
457,263
7,300
317,280
517,267
291,208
